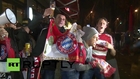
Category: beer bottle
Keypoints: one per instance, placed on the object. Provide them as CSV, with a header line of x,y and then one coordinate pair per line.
x,y
27,49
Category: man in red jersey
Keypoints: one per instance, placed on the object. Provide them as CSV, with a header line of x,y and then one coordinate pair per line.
x,y
104,43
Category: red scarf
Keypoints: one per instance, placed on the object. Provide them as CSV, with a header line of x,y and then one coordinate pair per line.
x,y
35,71
107,71
9,50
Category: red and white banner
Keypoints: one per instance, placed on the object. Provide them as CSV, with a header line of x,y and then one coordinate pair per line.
x,y
64,46
107,70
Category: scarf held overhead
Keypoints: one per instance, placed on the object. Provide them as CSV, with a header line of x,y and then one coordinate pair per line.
x,y
64,46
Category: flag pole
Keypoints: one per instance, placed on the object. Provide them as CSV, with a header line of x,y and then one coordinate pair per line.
x,y
38,75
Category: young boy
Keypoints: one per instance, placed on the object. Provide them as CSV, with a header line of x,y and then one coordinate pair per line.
x,y
89,40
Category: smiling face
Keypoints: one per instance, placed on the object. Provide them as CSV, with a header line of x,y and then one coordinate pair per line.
x,y
93,40
101,25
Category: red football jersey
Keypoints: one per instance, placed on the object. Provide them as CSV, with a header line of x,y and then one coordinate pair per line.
x,y
100,51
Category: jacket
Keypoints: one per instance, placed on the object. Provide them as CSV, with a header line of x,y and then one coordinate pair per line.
x,y
18,38
40,43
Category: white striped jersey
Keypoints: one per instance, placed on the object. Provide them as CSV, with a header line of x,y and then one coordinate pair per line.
x,y
100,51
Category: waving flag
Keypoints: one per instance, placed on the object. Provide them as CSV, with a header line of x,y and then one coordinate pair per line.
x,y
64,46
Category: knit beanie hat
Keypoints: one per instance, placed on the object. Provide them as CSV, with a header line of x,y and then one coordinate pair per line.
x,y
89,32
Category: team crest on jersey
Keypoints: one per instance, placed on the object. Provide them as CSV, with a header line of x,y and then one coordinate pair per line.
x,y
67,44
3,53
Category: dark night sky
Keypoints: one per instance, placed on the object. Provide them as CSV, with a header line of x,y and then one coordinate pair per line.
x,y
85,8
101,8
111,9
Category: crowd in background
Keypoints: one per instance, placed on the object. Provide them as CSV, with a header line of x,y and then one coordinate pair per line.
x,y
35,33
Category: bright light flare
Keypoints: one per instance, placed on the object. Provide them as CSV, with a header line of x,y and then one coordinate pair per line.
x,y
67,9
30,13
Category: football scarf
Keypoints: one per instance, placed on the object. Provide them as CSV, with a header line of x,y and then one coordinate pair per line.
x,y
107,71
35,70
64,46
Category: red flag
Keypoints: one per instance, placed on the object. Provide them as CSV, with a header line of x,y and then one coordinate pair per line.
x,y
131,19
63,46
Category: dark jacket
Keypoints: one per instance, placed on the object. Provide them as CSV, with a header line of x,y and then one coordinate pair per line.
x,y
50,64
18,38
40,43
